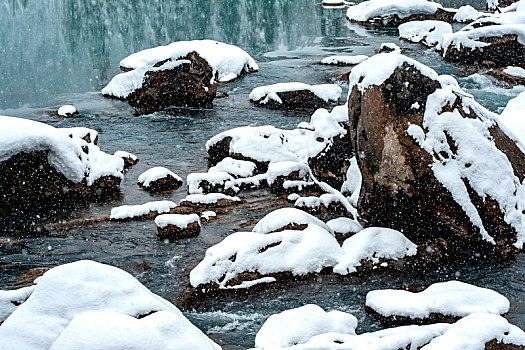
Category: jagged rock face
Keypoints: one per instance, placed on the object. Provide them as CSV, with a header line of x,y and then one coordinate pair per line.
x,y
400,189
30,188
503,50
186,85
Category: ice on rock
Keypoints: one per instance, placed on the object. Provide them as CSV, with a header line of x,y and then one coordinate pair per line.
x,y
513,116
298,326
228,61
64,295
429,33
234,167
452,298
65,153
288,217
293,251
373,243
379,8
133,211
343,60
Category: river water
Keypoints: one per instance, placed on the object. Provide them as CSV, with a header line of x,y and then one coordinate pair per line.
x,y
59,52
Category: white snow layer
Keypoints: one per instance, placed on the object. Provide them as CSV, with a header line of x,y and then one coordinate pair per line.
x,y
178,220
373,243
349,60
297,252
429,33
381,8
299,325
228,61
65,307
280,218
470,38
66,110
285,168
466,14
65,153
344,225
132,211
326,92
515,71
210,198
154,174
9,299
124,154
513,116
234,167
452,298
217,178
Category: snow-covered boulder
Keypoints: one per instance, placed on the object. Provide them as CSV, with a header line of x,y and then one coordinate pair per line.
x,y
208,215
392,13
327,202
129,158
43,168
343,60
280,172
67,111
295,95
299,325
244,259
288,219
428,33
159,179
235,167
502,44
513,116
373,245
141,211
323,143
389,47
209,200
344,228
467,14
177,226
440,302
211,182
428,151
511,76
183,73
87,305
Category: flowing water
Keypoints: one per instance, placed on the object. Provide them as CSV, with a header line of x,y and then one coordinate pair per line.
x,y
64,51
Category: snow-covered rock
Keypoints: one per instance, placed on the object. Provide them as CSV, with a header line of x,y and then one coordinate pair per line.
x,y
502,44
440,302
42,166
299,325
234,167
428,33
11,299
373,244
295,95
141,211
467,14
209,199
392,13
67,111
428,151
288,219
280,172
65,306
159,179
208,215
511,76
129,158
176,226
344,227
211,182
251,257
389,47
327,202
343,60
183,73
513,116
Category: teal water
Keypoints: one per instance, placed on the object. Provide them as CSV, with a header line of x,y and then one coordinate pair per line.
x,y
64,51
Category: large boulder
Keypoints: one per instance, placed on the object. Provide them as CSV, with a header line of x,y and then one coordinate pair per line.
x,y
43,169
184,73
435,164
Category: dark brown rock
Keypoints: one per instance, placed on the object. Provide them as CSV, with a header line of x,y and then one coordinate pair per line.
x,y
299,99
165,184
173,232
395,21
399,188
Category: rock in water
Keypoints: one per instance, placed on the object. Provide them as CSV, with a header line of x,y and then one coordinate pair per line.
x,y
435,164
177,226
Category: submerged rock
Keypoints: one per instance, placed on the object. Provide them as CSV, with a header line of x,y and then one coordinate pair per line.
x,y
43,169
434,163
184,73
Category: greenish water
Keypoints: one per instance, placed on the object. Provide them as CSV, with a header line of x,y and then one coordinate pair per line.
x,y
55,52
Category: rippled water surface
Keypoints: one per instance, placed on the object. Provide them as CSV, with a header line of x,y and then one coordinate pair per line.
x,y
56,52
